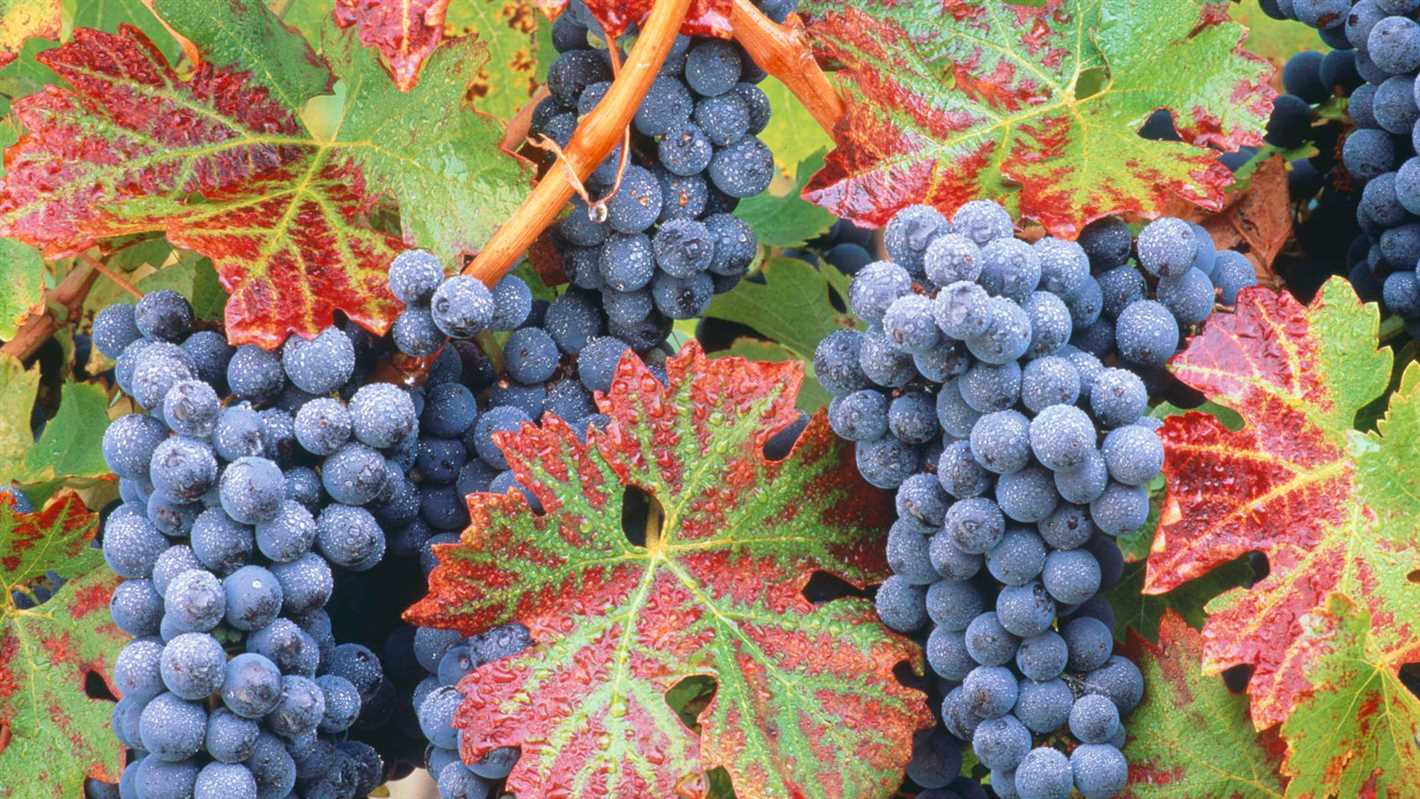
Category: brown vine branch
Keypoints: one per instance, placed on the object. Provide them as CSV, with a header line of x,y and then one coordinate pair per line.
x,y
783,52
118,280
37,329
592,142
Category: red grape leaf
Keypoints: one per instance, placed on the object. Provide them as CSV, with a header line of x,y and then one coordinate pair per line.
x,y
21,19
222,167
52,734
1333,509
806,704
1037,106
705,17
405,32
1191,737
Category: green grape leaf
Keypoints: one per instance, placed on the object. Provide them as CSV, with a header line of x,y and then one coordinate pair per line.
x,y
21,19
441,163
1333,509
1274,39
780,217
1036,107
792,134
22,290
242,32
307,16
70,446
223,168
18,387
1190,737
52,734
806,703
794,306
509,28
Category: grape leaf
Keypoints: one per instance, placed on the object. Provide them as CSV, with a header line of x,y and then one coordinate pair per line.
x,y
71,444
510,30
1191,737
242,32
806,703
405,33
705,17
792,134
52,734
22,291
1332,509
21,19
18,387
793,306
811,394
1037,107
779,217
283,210
107,15
442,163
1361,736
1274,39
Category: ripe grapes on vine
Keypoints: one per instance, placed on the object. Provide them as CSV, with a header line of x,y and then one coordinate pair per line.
x,y
729,398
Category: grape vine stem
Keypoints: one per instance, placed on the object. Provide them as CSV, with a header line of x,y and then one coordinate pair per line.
x,y
38,327
783,51
118,280
598,133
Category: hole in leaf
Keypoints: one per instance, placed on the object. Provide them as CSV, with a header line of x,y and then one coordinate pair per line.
x,y
1260,567
1237,677
1090,82
641,517
1414,576
719,781
824,587
778,446
903,673
96,688
1159,127
690,696
1410,677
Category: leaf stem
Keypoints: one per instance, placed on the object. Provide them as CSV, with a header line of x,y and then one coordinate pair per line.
x,y
783,51
596,135
37,329
118,280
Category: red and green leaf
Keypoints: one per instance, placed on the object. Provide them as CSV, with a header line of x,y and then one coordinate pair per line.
x,y
405,33
241,33
222,165
705,17
52,734
21,19
1036,105
1359,733
806,702
1191,737
1332,509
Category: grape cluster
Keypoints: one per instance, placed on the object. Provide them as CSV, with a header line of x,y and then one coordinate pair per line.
x,y
665,242
446,656
250,481
1380,39
997,389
